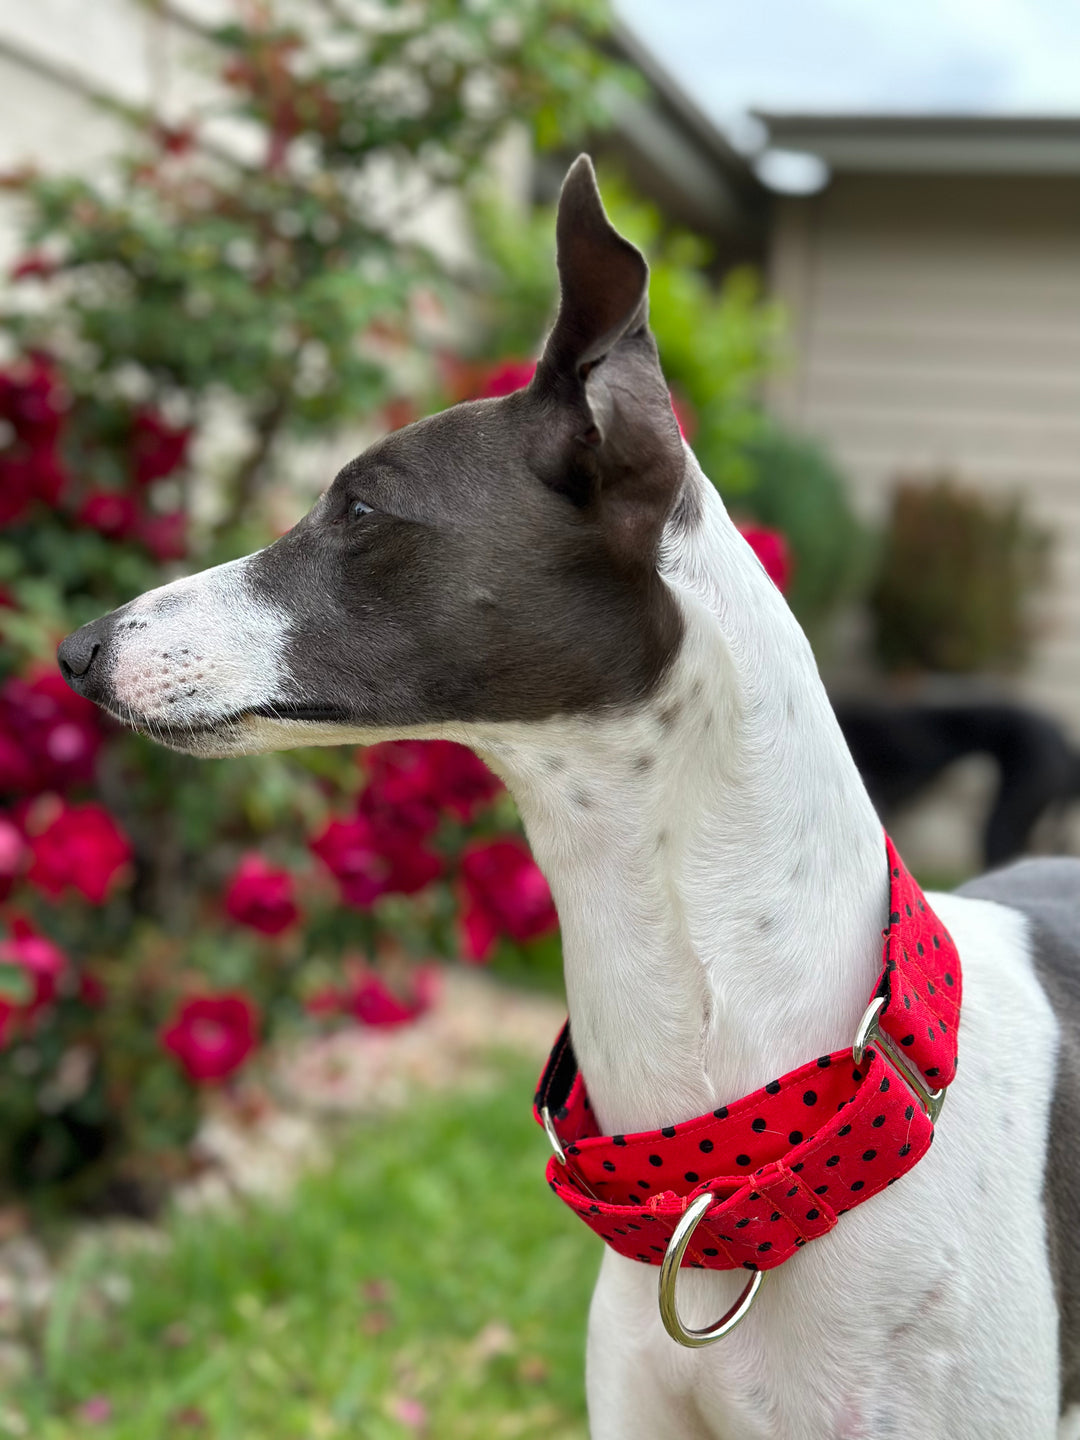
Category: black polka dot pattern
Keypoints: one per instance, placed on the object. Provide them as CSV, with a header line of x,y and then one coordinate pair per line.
x,y
778,1181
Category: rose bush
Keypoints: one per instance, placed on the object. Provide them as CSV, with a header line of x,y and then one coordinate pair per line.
x,y
162,919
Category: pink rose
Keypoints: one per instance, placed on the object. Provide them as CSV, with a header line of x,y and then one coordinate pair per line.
x,y
38,958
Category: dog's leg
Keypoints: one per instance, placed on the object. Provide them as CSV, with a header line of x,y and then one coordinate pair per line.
x,y
636,1389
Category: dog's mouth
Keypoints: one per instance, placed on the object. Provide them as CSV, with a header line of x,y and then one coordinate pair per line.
x,y
223,734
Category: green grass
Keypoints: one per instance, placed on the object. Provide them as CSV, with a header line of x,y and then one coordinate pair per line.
x,y
316,1318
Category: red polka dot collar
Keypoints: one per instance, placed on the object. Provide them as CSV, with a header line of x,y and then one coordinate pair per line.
x,y
784,1163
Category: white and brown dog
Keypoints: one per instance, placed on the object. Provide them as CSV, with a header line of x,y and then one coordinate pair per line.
x,y
550,578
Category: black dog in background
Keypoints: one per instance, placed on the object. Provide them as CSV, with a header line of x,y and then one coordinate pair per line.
x,y
901,748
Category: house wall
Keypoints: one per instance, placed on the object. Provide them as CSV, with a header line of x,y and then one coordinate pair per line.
x,y
935,323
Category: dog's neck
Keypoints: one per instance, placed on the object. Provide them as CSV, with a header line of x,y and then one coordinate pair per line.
x,y
718,868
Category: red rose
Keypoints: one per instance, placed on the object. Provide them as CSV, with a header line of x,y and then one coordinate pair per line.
x,y
92,990
411,781
505,894
157,448
110,513
165,536
27,475
506,378
17,487
261,897
771,548
34,265
82,848
175,139
40,960
17,773
212,1035
368,860
32,401
49,736
370,1001
327,1001
398,795
460,780
47,474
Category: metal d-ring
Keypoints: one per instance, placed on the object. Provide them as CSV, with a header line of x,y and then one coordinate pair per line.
x,y
669,1274
871,1033
868,1029
552,1135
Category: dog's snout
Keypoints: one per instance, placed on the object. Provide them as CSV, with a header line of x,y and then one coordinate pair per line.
x,y
79,658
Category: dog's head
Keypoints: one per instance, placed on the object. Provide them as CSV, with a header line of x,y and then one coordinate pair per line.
x,y
495,562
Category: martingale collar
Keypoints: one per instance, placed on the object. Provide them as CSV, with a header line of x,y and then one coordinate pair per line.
x,y
784,1163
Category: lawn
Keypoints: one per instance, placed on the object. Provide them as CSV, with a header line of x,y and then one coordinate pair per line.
x,y
426,1284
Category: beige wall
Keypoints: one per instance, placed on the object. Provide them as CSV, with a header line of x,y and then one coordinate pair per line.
x,y
935,322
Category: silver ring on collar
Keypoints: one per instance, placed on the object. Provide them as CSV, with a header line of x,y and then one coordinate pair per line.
x,y
669,1274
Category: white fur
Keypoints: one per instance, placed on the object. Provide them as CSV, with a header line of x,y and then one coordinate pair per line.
x,y
721,883
722,914
197,649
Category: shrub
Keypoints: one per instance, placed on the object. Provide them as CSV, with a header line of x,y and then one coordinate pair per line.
x,y
797,490
957,573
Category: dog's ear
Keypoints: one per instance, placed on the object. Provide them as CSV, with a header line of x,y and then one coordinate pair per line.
x,y
626,460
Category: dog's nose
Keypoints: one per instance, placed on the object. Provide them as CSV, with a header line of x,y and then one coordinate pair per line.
x,y
78,658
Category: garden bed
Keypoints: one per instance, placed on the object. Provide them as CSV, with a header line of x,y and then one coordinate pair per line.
x,y
350,1261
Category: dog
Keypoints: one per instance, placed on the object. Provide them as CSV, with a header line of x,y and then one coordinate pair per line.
x,y
900,749
550,578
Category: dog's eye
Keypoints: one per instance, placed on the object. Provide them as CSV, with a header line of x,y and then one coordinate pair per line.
x,y
358,509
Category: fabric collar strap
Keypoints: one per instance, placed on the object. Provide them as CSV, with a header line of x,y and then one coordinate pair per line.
x,y
785,1162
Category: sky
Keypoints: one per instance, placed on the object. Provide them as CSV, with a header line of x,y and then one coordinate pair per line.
x,y
968,56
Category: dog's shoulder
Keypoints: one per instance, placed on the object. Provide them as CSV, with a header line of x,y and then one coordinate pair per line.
x,y
1047,893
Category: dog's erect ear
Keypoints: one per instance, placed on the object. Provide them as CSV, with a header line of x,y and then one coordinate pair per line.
x,y
603,279
600,362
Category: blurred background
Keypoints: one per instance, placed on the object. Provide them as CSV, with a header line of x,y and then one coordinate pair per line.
x,y
268,1026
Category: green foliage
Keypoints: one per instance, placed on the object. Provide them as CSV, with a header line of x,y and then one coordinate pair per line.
x,y
957,574
378,1281
797,490
284,284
